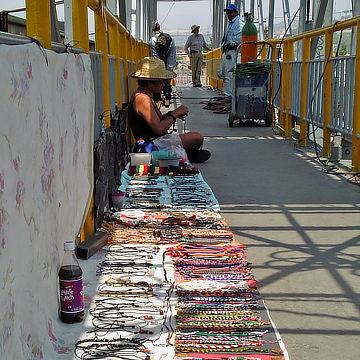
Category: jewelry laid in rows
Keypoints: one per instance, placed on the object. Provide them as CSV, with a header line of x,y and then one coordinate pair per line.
x,y
174,283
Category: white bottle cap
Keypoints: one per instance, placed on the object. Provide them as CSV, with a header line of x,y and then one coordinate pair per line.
x,y
69,245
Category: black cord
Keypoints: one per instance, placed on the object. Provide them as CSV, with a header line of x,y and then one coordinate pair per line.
x,y
313,97
70,45
38,43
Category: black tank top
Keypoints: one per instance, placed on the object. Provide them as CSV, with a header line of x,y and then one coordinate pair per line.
x,y
137,123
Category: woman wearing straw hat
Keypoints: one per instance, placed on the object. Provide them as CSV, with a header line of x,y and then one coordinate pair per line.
x,y
146,120
193,47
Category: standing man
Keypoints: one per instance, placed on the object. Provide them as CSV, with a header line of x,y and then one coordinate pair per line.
x,y
193,47
230,41
162,46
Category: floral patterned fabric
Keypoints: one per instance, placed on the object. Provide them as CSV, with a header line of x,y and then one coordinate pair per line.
x,y
46,140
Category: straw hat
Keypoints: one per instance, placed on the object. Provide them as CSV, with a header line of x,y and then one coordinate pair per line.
x,y
153,68
195,27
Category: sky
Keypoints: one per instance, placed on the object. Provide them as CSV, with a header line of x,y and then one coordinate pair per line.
x,y
182,14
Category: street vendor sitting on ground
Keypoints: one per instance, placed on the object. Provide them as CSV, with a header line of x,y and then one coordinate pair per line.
x,y
146,120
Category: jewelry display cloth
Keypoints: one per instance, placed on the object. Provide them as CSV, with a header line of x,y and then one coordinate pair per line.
x,y
231,356
69,335
162,270
46,139
166,199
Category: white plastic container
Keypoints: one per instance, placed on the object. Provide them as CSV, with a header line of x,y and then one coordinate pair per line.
x,y
168,162
140,159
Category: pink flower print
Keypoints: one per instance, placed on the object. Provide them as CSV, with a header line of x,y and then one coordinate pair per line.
x,y
47,172
42,116
61,80
61,155
15,84
76,146
57,343
25,75
2,182
82,139
2,230
16,164
50,332
29,72
19,192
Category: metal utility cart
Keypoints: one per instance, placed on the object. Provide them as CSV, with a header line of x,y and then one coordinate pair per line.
x,y
251,89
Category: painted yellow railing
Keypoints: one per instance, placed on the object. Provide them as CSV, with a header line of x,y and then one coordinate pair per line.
x,y
108,30
286,123
213,58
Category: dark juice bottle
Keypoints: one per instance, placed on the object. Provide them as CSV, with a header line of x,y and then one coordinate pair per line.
x,y
71,287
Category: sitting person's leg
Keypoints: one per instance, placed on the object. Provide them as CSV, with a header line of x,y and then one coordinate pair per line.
x,y
192,141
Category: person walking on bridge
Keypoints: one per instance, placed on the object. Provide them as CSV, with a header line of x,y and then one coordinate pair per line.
x,y
229,43
162,46
193,48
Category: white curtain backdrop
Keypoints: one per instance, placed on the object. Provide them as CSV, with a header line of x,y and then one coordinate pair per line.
x,y
46,141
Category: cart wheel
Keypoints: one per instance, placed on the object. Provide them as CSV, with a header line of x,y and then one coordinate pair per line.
x,y
231,120
268,118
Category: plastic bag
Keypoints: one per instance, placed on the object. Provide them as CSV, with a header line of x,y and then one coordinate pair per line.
x,y
145,146
171,143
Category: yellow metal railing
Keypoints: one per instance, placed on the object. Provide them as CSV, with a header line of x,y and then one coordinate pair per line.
x,y
108,30
213,58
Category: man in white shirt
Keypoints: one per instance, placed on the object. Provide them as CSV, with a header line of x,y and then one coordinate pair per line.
x,y
193,47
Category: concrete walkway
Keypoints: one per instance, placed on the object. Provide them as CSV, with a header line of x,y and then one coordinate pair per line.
x,y
302,228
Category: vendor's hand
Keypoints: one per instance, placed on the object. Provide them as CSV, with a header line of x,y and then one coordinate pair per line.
x,y
181,112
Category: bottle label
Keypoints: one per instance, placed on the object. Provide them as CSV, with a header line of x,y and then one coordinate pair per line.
x,y
71,295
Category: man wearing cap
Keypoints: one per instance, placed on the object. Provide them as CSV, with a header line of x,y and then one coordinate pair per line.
x,y
230,41
148,123
162,46
193,47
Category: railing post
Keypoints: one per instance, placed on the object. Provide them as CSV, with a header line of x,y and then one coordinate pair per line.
x,y
130,58
212,69
221,82
38,21
288,118
273,59
327,96
80,24
114,50
283,87
304,80
263,53
124,56
207,68
216,68
136,53
356,118
101,44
